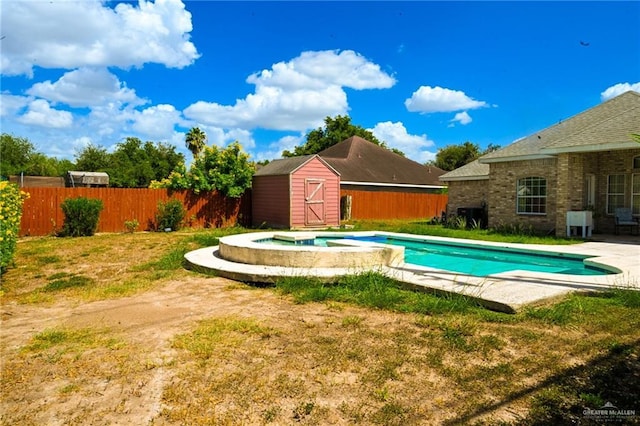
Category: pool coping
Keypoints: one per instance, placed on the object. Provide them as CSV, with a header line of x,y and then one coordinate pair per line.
x,y
505,292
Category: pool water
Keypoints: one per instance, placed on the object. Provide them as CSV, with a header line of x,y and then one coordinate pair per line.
x,y
468,259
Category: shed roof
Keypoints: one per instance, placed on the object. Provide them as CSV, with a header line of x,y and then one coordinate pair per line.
x,y
362,162
286,166
88,174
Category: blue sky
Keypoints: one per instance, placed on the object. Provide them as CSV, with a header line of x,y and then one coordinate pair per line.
x,y
419,75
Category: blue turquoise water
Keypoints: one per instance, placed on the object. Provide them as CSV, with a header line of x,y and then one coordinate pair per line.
x,y
473,260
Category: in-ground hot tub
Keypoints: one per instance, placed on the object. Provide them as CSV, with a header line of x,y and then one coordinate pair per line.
x,y
343,252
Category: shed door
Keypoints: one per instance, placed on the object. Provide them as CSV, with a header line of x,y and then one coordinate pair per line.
x,y
314,202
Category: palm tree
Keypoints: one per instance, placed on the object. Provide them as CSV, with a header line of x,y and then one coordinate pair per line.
x,y
195,141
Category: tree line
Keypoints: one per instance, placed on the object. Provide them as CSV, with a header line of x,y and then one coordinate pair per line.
x,y
137,164
132,164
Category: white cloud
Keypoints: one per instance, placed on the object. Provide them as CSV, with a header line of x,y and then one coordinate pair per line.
x,y
86,87
462,117
324,68
12,104
296,95
395,135
156,122
618,89
71,34
429,99
40,113
275,149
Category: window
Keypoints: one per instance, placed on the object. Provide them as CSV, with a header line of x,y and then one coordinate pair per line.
x,y
532,195
636,162
615,193
635,193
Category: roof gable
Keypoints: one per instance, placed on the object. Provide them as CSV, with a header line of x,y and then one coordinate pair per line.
x,y
286,166
606,126
361,161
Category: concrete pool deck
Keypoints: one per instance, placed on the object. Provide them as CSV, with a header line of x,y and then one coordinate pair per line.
x,y
506,292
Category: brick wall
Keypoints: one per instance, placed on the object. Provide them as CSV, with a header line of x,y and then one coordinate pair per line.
x,y
601,164
470,193
502,192
566,188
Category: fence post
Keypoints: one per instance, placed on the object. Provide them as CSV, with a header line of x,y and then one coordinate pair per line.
x,y
345,207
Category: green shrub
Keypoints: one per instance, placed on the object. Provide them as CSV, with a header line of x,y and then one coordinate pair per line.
x,y
170,215
517,228
11,199
131,225
81,216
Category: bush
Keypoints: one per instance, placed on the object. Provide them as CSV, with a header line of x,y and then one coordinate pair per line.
x,y
81,216
170,215
11,200
130,226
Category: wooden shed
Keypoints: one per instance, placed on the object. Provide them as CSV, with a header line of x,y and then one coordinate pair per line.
x,y
297,192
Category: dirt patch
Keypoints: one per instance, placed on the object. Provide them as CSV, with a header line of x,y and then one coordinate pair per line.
x,y
147,323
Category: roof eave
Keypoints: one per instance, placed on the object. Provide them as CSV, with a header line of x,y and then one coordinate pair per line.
x,y
384,184
514,158
463,178
592,148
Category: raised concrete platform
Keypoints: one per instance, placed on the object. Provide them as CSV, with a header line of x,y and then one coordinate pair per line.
x,y
506,292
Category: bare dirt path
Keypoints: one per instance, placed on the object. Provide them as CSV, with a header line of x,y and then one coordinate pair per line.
x,y
149,321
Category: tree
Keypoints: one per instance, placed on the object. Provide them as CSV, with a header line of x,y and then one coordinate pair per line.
x,y
490,148
18,155
335,130
163,158
196,141
132,164
227,170
129,165
92,158
453,156
15,154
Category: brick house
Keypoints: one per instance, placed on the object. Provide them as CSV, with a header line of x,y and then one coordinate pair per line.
x,y
587,162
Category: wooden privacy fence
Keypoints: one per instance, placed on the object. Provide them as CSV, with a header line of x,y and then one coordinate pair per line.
x,y
42,214
395,205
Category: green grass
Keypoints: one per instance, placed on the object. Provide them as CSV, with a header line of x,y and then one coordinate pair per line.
x,y
425,228
174,258
227,332
68,282
373,290
67,340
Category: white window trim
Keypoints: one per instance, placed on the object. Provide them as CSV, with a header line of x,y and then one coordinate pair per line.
x,y
611,211
539,196
634,176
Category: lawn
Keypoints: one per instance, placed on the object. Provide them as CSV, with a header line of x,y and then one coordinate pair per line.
x,y
112,329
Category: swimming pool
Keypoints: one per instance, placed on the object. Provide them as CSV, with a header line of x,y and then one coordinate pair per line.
x,y
479,261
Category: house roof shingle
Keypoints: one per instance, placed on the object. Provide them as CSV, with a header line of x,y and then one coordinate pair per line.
x,y
474,170
607,126
360,161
